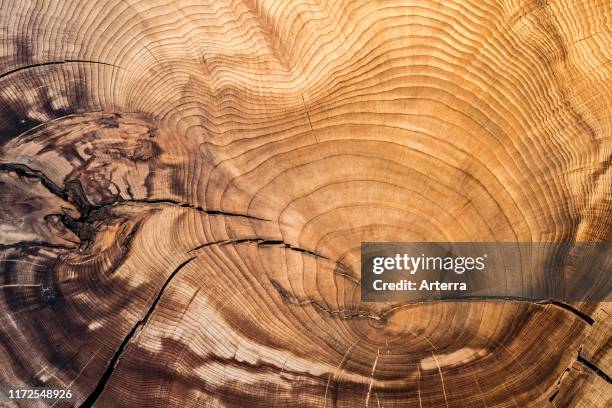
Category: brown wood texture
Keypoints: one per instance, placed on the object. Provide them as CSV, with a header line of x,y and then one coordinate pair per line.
x,y
185,186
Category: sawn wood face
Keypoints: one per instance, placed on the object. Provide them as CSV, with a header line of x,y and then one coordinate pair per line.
x,y
185,186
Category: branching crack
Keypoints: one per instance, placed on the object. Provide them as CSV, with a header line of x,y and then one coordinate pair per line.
x,y
73,193
95,394
591,366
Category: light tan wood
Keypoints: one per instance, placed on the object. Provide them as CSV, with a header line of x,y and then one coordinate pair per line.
x,y
185,186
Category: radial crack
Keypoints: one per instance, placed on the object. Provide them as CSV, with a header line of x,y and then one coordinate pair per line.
x,y
309,121
367,400
95,394
333,373
598,371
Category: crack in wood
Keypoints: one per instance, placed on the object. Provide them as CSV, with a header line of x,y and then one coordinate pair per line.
x,y
99,389
262,242
593,367
554,395
342,313
73,193
309,121
567,307
49,63
585,362
26,171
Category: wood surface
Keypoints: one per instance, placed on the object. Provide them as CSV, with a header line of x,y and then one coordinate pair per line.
x,y
185,186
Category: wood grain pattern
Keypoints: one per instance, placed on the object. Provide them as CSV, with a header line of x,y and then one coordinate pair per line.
x,y
185,186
